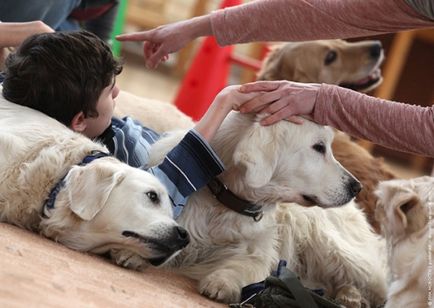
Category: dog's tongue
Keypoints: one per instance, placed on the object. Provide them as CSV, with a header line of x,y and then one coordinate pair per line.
x,y
375,75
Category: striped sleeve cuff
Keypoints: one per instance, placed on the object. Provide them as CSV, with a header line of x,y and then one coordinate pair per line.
x,y
191,164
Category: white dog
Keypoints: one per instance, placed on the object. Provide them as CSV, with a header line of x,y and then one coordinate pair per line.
x,y
405,211
268,165
102,205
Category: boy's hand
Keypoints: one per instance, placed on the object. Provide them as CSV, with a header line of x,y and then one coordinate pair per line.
x,y
230,98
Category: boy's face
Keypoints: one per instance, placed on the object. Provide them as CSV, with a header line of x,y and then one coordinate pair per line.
x,y
105,106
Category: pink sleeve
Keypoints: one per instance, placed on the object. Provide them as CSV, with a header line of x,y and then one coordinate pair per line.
x,y
301,20
394,125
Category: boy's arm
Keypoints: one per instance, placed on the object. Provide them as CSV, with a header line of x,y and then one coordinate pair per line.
x,y
192,163
228,99
186,168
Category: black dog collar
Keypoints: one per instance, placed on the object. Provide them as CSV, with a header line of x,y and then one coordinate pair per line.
x,y
230,200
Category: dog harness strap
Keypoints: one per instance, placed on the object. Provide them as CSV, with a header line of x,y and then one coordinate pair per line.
x,y
49,202
230,200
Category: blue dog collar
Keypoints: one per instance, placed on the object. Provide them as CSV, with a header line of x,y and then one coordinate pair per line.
x,y
49,202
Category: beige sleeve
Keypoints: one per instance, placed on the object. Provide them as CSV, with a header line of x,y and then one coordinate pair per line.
x,y
398,126
300,20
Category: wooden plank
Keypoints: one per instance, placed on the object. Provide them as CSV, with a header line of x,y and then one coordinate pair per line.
x,y
37,272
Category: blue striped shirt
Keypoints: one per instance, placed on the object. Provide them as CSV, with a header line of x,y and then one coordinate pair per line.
x,y
186,168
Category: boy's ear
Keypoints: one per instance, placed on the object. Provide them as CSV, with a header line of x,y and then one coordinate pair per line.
x,y
78,123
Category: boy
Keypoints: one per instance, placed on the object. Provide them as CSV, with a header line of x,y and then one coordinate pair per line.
x,y
71,77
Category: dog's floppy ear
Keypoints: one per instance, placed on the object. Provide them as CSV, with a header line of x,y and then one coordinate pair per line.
x,y
403,207
271,66
256,151
411,211
89,187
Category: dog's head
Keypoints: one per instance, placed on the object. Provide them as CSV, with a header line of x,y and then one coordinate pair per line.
x,y
284,162
110,205
352,65
403,206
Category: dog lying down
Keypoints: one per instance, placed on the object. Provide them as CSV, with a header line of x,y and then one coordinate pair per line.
x,y
354,65
405,211
102,205
268,165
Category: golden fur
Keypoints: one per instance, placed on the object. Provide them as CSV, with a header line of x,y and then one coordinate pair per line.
x,y
405,209
89,213
270,165
305,62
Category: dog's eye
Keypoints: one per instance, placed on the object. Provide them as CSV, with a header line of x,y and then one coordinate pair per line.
x,y
319,147
330,57
153,196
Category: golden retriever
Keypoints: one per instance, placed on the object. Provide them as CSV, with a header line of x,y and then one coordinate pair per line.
x,y
266,166
102,205
353,65
405,210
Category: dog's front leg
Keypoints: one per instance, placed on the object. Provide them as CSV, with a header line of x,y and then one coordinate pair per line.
x,y
225,283
128,259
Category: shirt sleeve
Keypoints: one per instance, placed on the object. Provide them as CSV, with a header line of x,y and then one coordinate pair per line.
x,y
186,168
301,20
398,126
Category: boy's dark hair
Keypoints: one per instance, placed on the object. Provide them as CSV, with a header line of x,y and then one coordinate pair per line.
x,y
60,74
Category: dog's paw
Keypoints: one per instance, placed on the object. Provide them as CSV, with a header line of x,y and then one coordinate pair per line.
x,y
350,297
220,287
128,259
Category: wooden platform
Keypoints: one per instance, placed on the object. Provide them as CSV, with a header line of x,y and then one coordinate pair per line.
x,y
37,272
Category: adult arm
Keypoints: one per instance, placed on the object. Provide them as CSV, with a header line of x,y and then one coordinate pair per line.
x,y
300,20
398,126
13,34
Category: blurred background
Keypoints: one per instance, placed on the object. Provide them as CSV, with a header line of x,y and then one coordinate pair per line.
x,y
408,69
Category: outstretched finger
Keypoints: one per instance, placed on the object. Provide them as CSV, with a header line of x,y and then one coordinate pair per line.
x,y
135,36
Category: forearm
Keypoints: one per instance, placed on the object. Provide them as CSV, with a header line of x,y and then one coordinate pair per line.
x,y
300,20
394,125
211,121
12,34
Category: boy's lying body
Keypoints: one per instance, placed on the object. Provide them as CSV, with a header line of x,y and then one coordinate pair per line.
x,y
71,77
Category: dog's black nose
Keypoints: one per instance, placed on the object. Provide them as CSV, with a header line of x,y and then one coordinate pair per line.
x,y
354,187
375,50
183,236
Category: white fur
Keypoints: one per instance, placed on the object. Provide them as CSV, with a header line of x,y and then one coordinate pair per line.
x,y
405,211
100,200
332,248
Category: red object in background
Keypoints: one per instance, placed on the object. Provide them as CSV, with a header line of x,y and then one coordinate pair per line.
x,y
206,76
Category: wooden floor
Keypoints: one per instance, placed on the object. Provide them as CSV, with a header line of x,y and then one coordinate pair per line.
x,y
36,272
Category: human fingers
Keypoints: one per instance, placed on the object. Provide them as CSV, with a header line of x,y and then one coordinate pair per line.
x,y
295,119
157,55
282,114
135,36
260,101
260,86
